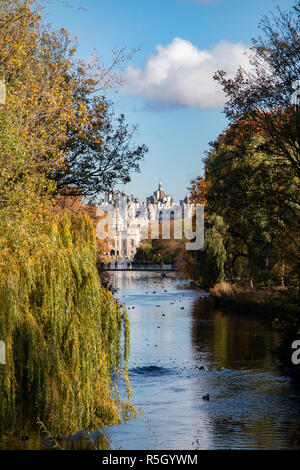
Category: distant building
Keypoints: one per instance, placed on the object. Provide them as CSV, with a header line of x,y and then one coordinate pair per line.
x,y
131,218
159,196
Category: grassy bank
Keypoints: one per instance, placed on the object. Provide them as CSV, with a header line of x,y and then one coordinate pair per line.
x,y
271,304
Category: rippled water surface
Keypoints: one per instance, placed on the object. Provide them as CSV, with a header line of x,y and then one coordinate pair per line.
x,y
181,350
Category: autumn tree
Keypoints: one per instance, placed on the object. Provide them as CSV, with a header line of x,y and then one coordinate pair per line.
x,y
251,181
262,106
50,290
56,104
257,201
266,95
199,189
100,154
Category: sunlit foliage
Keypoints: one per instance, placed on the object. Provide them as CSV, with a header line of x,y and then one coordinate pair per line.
x,y
67,337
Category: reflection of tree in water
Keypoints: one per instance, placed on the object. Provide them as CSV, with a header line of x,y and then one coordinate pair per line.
x,y
250,404
81,441
232,340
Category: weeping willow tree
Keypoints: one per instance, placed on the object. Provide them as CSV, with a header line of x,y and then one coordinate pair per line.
x,y
207,266
62,331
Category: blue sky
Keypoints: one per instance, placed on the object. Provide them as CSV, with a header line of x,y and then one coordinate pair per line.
x,y
169,92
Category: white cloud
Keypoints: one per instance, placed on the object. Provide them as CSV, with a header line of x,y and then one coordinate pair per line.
x,y
181,75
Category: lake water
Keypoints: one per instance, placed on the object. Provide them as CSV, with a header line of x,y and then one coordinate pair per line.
x,y
183,349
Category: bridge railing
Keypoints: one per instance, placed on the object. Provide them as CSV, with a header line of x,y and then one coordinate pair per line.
x,y
138,267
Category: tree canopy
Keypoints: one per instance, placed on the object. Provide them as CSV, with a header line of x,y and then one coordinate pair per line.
x,y
250,186
56,104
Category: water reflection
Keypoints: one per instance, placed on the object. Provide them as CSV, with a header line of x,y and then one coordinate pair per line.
x,y
232,340
78,441
181,350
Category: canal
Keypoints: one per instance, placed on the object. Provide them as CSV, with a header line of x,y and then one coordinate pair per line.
x,y
183,351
